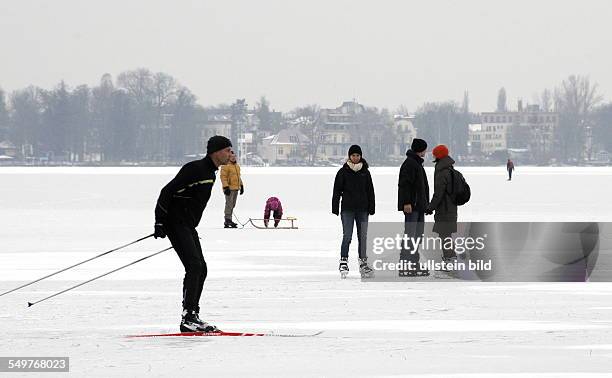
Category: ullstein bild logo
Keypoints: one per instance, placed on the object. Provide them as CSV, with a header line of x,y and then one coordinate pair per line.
x,y
491,251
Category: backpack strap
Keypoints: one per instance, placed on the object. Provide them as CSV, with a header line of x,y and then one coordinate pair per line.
x,y
451,169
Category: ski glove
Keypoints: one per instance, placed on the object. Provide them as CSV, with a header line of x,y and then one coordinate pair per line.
x,y
159,231
226,190
241,189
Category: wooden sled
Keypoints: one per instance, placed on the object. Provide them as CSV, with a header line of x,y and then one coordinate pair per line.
x,y
271,225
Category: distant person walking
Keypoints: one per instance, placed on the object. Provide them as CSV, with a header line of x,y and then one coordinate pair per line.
x,y
232,184
413,200
442,202
510,168
354,185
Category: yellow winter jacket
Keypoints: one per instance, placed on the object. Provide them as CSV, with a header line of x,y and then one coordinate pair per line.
x,y
230,176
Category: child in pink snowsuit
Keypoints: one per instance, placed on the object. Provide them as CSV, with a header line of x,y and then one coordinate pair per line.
x,y
273,204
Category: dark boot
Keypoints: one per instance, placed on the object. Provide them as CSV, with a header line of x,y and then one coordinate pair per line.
x,y
191,322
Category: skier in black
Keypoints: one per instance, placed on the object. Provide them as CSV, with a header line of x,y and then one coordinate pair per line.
x,y
178,213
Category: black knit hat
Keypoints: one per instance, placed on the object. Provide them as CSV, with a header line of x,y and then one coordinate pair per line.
x,y
354,149
418,145
217,143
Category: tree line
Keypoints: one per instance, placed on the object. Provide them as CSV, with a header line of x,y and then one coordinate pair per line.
x,y
148,116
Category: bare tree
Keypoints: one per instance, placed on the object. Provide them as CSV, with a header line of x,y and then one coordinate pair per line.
x,y
4,116
578,95
575,100
546,100
402,110
26,130
139,84
309,121
164,90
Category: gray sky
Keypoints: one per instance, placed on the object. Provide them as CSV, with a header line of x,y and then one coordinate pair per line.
x,y
383,53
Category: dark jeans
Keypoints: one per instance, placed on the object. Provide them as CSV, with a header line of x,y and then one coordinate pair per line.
x,y
447,253
186,243
360,218
414,227
509,174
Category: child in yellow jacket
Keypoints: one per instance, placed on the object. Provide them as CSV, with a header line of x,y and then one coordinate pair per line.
x,y
232,184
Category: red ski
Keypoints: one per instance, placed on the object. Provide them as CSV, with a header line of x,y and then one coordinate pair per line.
x,y
222,333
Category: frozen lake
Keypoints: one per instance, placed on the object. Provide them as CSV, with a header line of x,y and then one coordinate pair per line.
x,y
287,281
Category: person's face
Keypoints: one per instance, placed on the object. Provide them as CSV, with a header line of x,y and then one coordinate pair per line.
x,y
355,158
222,157
233,157
422,154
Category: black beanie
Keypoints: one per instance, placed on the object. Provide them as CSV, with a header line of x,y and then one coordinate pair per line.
x,y
418,145
217,143
354,149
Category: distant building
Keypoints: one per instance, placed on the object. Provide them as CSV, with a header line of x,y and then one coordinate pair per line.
x,y
340,129
475,136
530,128
216,124
288,147
8,151
404,132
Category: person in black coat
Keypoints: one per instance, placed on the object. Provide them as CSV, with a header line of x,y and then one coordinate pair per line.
x,y
413,200
354,185
177,214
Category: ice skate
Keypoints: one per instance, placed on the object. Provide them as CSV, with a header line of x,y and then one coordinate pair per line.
x,y
343,268
417,271
364,269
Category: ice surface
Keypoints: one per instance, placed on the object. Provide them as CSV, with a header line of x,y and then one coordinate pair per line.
x,y
287,281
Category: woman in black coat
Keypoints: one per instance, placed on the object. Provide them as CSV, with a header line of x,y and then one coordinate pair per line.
x,y
354,185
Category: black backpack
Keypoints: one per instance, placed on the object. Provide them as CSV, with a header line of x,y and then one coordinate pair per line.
x,y
461,191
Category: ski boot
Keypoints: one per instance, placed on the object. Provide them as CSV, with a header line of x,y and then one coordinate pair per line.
x,y
191,322
364,269
343,268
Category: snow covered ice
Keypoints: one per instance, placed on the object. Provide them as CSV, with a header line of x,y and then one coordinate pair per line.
x,y
287,281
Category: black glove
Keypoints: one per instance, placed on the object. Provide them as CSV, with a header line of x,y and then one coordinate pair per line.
x,y
159,231
241,189
226,191
428,211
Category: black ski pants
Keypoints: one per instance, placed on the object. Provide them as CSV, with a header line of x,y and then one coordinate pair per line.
x,y
186,243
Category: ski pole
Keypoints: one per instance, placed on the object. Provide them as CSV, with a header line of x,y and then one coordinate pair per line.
x,y
30,304
72,266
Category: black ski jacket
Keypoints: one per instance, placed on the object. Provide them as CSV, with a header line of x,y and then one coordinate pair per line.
x,y
355,188
184,198
413,187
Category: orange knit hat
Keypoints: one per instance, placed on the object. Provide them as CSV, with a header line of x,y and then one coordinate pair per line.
x,y
440,151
